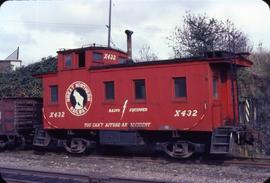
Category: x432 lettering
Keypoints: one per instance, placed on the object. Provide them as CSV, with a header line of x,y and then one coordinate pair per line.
x,y
186,113
109,56
57,115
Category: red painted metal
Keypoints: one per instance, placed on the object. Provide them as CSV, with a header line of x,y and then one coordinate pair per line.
x,y
199,111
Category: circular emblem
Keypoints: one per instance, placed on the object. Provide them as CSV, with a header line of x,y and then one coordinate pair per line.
x,y
78,98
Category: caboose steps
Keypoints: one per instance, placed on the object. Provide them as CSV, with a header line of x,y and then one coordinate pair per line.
x,y
41,138
221,140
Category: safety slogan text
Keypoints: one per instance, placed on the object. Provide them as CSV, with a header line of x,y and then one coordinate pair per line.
x,y
118,125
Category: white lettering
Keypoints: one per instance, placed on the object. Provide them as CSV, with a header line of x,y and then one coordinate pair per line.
x,y
87,125
108,56
113,110
177,113
138,109
117,125
186,113
113,125
97,125
140,125
57,115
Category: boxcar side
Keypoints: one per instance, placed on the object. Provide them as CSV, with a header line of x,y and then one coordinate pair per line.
x,y
18,120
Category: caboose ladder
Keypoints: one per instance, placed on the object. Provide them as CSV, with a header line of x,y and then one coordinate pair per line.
x,y
41,138
222,140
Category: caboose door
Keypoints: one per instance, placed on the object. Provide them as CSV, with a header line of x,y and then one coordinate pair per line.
x,y
216,102
221,113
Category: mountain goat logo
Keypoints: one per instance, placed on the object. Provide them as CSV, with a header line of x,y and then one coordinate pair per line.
x,y
78,98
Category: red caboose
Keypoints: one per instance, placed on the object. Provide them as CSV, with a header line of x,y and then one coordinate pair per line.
x,y
99,95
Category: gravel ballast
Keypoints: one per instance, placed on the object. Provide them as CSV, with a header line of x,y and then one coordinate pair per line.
x,y
136,168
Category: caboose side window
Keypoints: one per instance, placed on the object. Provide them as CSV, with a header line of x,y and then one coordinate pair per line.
x,y
68,61
97,56
54,93
81,59
139,86
215,87
109,90
180,88
122,60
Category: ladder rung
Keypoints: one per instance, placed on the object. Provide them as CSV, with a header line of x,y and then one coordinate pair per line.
x,y
222,135
221,144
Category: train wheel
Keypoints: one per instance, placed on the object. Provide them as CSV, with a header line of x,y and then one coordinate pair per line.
x,y
76,145
3,145
21,143
179,149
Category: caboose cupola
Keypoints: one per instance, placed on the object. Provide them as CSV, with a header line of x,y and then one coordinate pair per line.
x,y
84,58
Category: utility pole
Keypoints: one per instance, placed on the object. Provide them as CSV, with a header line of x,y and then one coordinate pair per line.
x,y
109,26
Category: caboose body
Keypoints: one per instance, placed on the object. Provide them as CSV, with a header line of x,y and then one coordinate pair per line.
x,y
100,96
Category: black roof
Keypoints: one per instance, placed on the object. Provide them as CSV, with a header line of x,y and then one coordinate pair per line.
x,y
92,47
209,56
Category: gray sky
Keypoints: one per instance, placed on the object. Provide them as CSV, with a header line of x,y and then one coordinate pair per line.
x,y
40,28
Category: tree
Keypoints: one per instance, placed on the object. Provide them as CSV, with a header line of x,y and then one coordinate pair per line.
x,y
21,83
145,54
200,34
255,83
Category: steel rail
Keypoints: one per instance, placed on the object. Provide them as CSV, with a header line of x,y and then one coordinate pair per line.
x,y
255,162
35,176
15,175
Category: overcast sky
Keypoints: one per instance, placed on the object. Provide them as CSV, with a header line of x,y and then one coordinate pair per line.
x,y
40,28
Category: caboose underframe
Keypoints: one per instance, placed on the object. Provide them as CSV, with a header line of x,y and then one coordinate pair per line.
x,y
226,140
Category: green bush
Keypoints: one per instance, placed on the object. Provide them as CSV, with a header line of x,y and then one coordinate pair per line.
x,y
22,83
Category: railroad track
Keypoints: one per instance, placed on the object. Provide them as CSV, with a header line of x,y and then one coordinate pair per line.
x,y
247,162
254,162
14,175
241,161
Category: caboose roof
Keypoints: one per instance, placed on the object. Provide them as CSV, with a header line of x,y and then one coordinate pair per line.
x,y
92,47
237,59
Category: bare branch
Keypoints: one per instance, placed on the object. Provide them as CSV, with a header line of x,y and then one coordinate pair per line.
x,y
200,33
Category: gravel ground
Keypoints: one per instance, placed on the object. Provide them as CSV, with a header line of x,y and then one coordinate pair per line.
x,y
160,169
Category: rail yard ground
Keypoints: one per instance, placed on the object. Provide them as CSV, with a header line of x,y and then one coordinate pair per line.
x,y
155,168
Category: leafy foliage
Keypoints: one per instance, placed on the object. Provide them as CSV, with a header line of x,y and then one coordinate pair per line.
x,y
21,83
